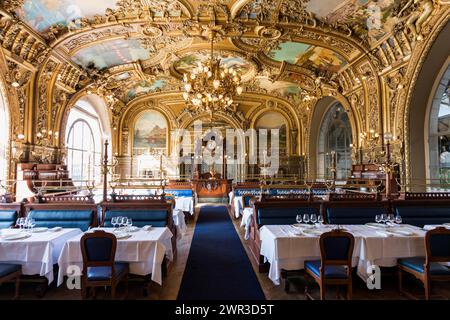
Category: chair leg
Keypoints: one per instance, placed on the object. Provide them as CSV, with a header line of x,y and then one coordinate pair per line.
x,y
322,290
350,291
17,291
400,280
427,286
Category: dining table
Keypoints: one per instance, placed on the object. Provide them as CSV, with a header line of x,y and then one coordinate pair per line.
x,y
185,204
288,247
246,221
36,250
144,250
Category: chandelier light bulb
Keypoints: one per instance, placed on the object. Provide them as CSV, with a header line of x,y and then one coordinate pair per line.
x,y
188,87
239,90
216,84
185,96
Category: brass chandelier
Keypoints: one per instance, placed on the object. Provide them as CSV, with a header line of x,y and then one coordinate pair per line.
x,y
210,87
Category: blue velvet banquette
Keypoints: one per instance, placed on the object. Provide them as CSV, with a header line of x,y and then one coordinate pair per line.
x,y
66,215
420,212
9,212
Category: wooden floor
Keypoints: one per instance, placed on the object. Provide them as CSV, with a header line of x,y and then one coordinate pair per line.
x,y
172,282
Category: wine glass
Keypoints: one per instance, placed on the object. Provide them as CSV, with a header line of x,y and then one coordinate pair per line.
x,y
306,218
320,220
31,223
114,222
313,218
129,223
378,218
20,222
298,218
398,219
123,222
391,219
384,218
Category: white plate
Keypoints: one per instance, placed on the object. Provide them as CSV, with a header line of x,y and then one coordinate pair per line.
x,y
401,232
312,232
122,235
17,236
303,226
376,225
133,229
40,229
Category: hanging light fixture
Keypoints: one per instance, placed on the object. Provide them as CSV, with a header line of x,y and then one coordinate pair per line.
x,y
210,86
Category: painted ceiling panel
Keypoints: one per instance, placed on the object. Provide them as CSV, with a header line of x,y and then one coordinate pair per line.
x,y
308,56
111,53
42,14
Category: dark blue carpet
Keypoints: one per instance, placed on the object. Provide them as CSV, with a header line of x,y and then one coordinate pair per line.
x,y
218,267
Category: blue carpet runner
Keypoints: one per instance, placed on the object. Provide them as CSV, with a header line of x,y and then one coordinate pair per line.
x,y
218,267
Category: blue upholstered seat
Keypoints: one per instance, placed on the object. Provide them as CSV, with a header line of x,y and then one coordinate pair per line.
x,y
246,200
278,216
156,218
417,264
7,218
353,215
180,193
423,215
8,268
331,272
242,192
81,219
105,273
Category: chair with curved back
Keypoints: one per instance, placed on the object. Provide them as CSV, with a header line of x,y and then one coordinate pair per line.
x,y
428,268
335,265
99,267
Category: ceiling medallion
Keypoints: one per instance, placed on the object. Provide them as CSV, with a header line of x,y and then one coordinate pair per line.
x,y
211,87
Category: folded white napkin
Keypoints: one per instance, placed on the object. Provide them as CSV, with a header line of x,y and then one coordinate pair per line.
x,y
146,228
56,229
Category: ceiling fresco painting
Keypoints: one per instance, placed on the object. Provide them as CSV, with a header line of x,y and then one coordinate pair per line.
x,y
143,87
111,53
227,59
42,14
308,56
285,89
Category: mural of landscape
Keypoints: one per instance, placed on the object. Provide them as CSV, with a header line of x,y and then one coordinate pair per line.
x,y
373,17
42,14
150,132
274,120
286,89
308,56
190,61
111,53
144,87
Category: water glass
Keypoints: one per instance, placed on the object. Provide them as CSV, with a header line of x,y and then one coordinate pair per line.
x,y
391,218
378,218
114,222
298,218
313,218
384,218
306,218
129,223
320,219
398,219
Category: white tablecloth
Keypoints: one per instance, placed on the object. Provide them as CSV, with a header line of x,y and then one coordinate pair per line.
x,y
38,253
185,204
230,197
286,251
178,220
238,205
144,251
247,214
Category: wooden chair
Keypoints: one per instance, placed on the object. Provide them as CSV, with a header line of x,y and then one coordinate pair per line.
x,y
11,272
335,264
99,267
428,269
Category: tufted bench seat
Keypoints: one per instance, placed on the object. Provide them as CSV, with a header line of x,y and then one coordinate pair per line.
x,y
420,213
283,215
8,218
141,217
81,219
353,215
185,193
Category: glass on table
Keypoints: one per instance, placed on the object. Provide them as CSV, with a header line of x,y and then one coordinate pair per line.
x,y
398,219
320,220
20,222
306,218
378,218
313,218
384,218
114,222
391,218
298,218
129,223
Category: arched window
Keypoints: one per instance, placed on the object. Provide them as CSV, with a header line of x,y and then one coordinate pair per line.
x,y
83,141
439,134
4,133
335,136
